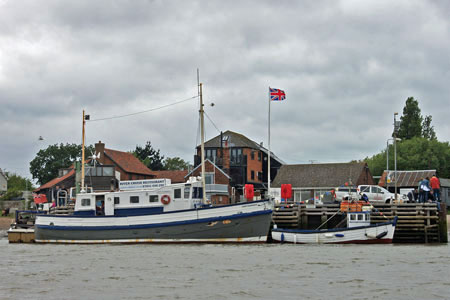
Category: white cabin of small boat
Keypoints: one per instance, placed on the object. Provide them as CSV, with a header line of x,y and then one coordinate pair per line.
x,y
357,219
141,202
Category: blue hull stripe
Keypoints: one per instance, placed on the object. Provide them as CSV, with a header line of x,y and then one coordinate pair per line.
x,y
178,223
168,212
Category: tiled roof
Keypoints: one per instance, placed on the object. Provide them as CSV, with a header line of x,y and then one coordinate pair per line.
x,y
319,175
128,162
406,178
55,181
174,176
233,139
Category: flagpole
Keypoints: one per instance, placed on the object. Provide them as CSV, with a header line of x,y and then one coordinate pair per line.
x,y
268,156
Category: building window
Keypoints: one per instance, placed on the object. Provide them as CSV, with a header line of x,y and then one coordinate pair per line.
x,y
259,155
85,202
153,198
177,194
236,156
260,176
252,155
116,200
209,178
253,175
211,154
134,199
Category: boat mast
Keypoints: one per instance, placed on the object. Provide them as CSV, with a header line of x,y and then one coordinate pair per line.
x,y
82,155
202,147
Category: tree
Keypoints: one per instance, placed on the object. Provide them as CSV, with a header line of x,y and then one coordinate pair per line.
x,y
175,163
415,154
428,129
16,185
411,120
44,167
149,156
18,182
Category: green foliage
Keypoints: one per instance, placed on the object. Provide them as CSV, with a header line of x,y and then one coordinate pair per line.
x,y
44,167
11,193
16,185
149,156
18,182
414,154
411,120
175,163
428,129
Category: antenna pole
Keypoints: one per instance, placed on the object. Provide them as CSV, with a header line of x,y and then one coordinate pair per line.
x,y
202,148
82,155
268,156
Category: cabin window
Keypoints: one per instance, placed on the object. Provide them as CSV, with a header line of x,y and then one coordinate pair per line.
x,y
352,217
360,217
153,198
187,191
116,200
85,202
134,199
197,193
177,193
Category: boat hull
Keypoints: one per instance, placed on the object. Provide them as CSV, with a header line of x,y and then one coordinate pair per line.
x,y
246,224
375,234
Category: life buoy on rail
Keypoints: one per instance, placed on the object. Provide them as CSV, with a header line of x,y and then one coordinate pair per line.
x,y
165,199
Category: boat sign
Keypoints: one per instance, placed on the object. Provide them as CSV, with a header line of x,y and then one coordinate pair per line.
x,y
143,184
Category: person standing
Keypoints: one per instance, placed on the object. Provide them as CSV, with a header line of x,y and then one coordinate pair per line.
x,y
426,189
436,186
419,190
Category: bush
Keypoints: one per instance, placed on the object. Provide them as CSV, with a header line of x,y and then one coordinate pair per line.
x,y
11,193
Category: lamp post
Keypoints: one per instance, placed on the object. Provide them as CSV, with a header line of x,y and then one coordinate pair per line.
x,y
387,162
396,127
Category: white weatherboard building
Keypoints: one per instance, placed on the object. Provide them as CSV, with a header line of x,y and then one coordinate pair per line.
x,y
3,182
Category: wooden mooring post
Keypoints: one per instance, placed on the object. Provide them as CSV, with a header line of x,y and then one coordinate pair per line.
x,y
417,222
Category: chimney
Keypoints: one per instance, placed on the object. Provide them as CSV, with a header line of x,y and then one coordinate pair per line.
x,y
100,148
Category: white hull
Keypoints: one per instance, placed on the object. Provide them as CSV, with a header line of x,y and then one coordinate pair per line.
x,y
239,223
374,234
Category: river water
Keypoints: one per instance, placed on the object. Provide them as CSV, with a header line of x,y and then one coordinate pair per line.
x,y
268,271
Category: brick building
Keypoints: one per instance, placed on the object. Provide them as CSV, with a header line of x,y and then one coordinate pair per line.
x,y
242,159
217,183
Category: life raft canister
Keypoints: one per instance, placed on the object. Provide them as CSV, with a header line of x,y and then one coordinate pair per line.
x,y
165,199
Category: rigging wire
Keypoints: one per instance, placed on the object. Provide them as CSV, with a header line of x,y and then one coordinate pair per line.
x,y
144,111
212,122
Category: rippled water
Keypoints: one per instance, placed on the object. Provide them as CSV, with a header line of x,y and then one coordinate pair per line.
x,y
269,271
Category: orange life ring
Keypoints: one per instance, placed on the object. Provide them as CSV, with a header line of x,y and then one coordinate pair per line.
x,y
165,199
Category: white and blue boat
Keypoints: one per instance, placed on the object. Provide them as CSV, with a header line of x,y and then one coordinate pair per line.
x,y
168,214
358,231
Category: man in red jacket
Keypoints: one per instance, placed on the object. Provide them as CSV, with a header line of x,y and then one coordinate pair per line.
x,y
436,186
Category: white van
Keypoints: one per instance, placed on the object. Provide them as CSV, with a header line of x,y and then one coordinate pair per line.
x,y
378,194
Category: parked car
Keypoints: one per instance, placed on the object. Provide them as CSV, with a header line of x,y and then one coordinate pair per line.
x,y
378,194
347,193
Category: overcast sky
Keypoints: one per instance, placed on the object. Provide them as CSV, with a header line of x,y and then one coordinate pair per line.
x,y
346,67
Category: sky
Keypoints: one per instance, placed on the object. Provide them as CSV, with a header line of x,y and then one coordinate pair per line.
x,y
346,67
